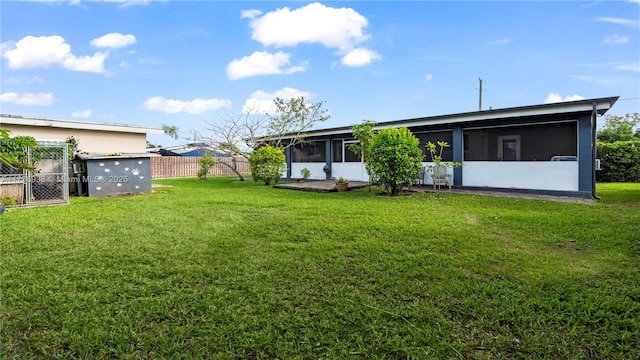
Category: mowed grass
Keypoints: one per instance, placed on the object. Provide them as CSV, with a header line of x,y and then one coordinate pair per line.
x,y
223,269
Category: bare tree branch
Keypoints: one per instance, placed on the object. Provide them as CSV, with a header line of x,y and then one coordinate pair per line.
x,y
236,136
293,118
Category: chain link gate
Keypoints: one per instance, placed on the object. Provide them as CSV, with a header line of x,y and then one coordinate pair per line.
x,y
49,184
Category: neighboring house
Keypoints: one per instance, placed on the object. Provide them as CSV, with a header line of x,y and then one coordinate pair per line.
x,y
192,149
92,137
547,149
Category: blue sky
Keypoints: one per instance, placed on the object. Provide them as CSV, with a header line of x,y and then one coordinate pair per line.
x,y
186,63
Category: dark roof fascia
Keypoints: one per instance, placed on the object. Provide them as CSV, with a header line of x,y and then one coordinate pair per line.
x,y
568,107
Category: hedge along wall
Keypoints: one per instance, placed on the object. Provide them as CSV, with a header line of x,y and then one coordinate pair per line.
x,y
619,161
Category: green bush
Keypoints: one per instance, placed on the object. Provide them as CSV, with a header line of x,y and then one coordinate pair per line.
x,y
8,201
396,158
619,161
13,151
267,163
206,163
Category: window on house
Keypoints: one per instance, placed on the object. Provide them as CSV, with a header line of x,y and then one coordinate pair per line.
x,y
341,152
336,150
309,152
434,137
539,142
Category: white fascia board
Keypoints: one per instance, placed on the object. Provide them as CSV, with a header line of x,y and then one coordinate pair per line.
x,y
80,125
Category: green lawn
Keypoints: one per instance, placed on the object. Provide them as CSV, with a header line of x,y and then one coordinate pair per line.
x,y
223,269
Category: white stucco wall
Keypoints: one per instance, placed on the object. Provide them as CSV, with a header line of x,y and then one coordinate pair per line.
x,y
349,171
530,175
533,175
92,141
314,168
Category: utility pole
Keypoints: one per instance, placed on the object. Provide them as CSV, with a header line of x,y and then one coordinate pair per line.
x,y
480,96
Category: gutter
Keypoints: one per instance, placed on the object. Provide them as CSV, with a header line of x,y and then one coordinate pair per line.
x,y
594,140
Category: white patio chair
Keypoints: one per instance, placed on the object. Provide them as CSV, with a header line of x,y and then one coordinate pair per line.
x,y
440,176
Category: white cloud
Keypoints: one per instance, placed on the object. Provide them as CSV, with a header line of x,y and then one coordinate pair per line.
x,y
81,114
24,80
30,99
195,106
593,79
360,57
44,51
261,63
504,41
619,21
428,77
340,28
555,98
250,14
125,3
630,66
616,39
114,40
262,102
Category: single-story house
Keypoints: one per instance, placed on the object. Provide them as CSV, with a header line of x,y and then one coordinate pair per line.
x,y
92,137
547,149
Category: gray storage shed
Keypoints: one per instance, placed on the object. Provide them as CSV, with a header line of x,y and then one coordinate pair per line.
x,y
101,175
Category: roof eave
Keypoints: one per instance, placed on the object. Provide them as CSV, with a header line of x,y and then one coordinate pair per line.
x,y
78,125
569,107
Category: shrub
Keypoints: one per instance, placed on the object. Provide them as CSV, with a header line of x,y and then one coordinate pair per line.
x,y
364,132
8,201
13,152
396,158
619,161
206,163
267,163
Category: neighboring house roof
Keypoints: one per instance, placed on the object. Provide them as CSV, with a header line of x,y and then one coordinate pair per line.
x,y
601,105
76,125
192,149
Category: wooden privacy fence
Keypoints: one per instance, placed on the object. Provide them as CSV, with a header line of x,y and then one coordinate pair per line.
x,y
187,166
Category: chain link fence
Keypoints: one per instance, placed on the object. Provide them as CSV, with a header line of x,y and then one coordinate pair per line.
x,y
49,184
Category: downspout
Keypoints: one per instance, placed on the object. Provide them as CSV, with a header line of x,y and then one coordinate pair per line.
x,y
594,139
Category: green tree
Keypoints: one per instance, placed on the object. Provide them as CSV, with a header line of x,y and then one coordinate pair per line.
x,y
152,146
206,163
619,161
237,135
620,128
267,163
395,158
292,119
171,130
364,133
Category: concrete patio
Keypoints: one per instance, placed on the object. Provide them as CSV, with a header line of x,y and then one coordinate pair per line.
x,y
329,186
